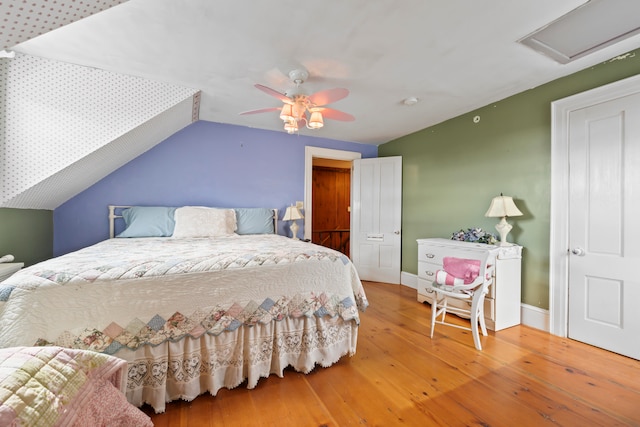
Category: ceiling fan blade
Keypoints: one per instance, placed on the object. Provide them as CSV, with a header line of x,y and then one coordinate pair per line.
x,y
328,96
281,96
330,113
262,110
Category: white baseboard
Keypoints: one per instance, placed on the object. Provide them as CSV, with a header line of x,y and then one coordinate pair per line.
x,y
530,315
409,279
534,317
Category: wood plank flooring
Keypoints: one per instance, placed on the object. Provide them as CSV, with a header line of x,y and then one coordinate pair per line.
x,y
399,376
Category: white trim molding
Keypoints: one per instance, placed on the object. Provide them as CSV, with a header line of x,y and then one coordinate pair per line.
x,y
409,280
534,317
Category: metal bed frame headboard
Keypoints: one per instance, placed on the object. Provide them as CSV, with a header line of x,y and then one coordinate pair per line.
x,y
113,215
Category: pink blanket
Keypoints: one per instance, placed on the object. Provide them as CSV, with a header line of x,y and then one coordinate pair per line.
x,y
55,386
458,271
444,278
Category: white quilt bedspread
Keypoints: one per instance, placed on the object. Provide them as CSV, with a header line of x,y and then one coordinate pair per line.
x,y
129,292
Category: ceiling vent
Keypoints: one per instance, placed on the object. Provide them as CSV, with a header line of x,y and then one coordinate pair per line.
x,y
586,29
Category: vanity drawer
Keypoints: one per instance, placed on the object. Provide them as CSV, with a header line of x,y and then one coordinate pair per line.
x,y
436,253
432,253
425,287
427,270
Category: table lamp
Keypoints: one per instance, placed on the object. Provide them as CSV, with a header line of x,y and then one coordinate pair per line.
x,y
502,207
292,214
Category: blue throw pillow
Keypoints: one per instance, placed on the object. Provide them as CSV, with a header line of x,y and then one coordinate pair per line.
x,y
254,221
148,221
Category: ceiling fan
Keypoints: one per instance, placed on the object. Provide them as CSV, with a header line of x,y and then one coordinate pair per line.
x,y
302,109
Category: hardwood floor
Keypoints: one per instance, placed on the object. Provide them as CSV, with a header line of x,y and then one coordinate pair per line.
x,y
399,376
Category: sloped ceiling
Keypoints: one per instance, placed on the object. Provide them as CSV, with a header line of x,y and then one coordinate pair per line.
x,y
24,20
66,126
454,55
62,135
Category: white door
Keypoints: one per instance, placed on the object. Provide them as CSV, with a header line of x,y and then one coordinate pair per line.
x,y
604,225
376,210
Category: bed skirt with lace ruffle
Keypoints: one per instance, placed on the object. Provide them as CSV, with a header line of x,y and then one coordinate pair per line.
x,y
192,366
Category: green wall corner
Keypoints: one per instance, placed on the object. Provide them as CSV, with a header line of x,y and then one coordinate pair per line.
x,y
27,234
453,169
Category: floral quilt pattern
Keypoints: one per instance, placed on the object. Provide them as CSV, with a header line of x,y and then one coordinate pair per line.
x,y
103,263
213,322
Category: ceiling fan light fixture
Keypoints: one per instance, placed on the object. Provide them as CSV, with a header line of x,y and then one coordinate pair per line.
x,y
291,126
316,121
298,109
302,110
286,114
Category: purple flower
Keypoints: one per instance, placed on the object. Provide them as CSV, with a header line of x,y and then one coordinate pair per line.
x,y
476,235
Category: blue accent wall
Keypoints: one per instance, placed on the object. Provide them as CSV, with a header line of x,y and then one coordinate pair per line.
x,y
208,164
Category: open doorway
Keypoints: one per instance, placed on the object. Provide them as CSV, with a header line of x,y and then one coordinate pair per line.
x,y
331,204
316,154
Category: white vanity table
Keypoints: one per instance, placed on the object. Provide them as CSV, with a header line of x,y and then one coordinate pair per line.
x,y
502,303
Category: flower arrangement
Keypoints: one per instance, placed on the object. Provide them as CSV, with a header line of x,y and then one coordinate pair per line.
x,y
475,235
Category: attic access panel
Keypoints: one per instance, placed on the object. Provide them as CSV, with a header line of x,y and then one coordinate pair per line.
x,y
586,29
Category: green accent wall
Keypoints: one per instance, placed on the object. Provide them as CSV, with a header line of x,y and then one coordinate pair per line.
x,y
27,234
453,169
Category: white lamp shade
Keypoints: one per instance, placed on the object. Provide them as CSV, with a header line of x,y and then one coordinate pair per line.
x,y
502,206
292,213
316,122
286,114
291,126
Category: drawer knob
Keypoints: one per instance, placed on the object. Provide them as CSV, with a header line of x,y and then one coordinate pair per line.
x,y
430,256
429,273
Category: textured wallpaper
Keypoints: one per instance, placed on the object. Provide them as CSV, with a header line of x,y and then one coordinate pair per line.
x,y
54,114
25,19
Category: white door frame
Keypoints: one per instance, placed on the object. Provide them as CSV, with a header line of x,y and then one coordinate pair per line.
x,y
559,229
323,153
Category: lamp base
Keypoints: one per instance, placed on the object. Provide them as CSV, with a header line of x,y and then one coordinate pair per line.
x,y
294,230
503,227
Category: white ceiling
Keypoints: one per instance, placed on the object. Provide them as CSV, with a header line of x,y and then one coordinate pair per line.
x,y
454,55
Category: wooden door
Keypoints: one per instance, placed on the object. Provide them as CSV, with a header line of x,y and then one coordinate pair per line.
x,y
331,197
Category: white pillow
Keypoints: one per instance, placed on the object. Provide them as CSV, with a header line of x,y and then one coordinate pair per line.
x,y
200,221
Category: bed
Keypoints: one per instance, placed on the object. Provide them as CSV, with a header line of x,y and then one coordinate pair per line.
x,y
193,298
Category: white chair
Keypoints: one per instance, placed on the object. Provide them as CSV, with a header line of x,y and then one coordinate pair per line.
x,y
472,294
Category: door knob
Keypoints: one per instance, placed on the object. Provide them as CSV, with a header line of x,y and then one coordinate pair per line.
x,y
577,251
